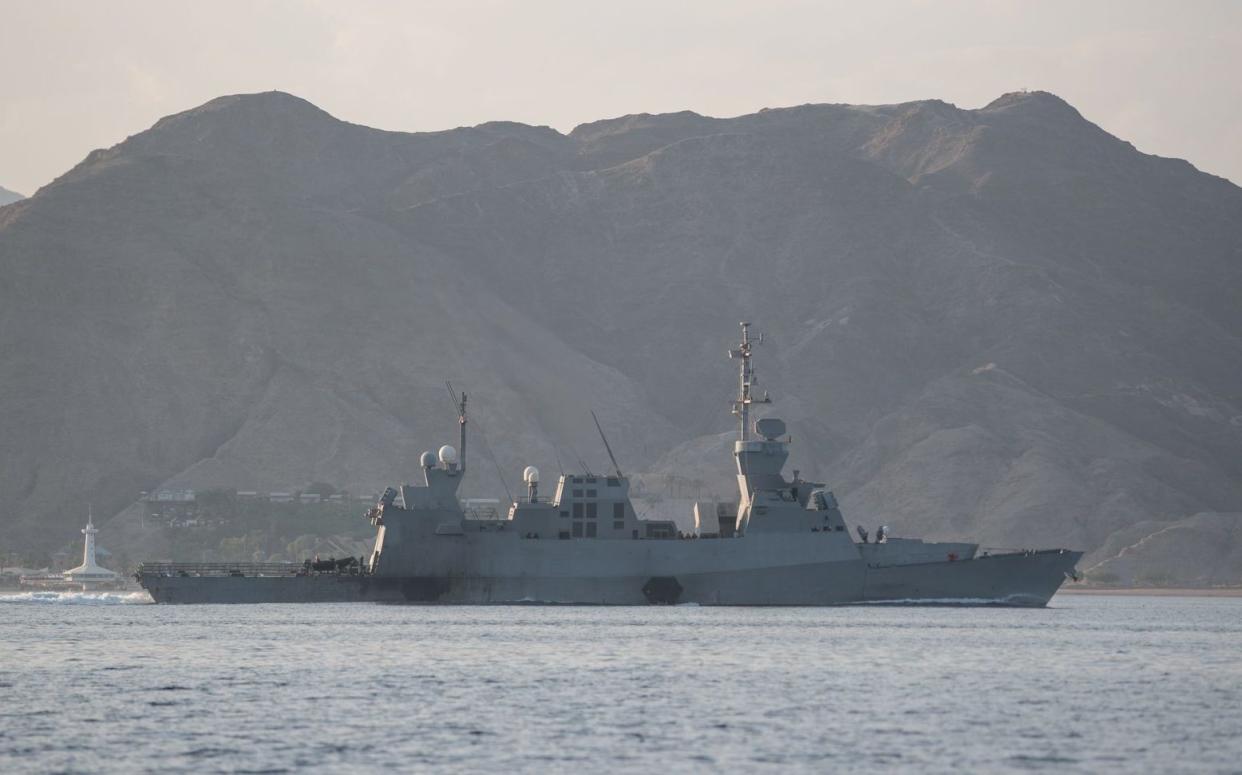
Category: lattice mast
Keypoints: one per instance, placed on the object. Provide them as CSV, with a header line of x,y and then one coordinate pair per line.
x,y
746,381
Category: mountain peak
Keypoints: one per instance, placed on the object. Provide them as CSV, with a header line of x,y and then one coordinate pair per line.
x,y
246,127
638,121
247,109
1033,104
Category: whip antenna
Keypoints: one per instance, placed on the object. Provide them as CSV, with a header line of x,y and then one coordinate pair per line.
x,y
586,469
604,438
460,406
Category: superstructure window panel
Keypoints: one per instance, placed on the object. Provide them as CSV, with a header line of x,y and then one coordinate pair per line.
x,y
592,510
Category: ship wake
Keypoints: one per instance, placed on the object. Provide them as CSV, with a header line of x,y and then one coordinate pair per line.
x,y
1007,600
78,598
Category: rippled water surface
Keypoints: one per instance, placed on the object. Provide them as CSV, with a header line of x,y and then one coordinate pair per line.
x,y
1090,684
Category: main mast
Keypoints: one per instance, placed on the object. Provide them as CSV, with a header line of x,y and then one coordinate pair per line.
x,y
461,439
746,380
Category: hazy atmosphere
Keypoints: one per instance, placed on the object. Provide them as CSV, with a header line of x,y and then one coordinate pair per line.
x,y
962,494
80,76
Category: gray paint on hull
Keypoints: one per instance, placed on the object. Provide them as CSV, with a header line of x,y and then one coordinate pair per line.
x,y
271,589
1021,579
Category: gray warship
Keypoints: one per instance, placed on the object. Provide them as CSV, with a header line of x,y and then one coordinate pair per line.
x,y
784,542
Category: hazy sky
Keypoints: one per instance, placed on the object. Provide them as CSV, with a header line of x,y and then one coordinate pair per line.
x,y
81,75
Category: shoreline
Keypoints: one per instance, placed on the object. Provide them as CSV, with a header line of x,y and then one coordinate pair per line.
x,y
1154,591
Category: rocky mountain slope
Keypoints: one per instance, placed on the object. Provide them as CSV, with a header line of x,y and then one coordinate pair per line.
x,y
1002,323
8,197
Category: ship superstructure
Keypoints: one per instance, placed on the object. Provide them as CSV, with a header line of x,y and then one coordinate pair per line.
x,y
784,543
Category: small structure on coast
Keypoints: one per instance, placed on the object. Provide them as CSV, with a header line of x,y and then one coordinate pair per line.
x,y
90,575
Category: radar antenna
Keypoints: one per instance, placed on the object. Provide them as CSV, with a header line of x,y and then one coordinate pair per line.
x,y
746,380
604,438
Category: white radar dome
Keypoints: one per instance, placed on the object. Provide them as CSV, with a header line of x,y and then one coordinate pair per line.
x,y
530,475
448,454
427,459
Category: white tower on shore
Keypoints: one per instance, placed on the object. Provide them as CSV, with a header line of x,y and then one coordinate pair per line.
x,y
89,572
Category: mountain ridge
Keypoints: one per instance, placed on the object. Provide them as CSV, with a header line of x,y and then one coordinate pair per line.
x,y
984,318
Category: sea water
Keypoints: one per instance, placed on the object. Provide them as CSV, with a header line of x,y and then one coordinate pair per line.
x,y
103,683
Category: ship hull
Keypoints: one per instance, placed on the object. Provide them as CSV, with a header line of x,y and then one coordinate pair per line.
x,y
1017,579
1026,579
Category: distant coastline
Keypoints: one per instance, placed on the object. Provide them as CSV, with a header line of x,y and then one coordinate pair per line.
x,y
1155,591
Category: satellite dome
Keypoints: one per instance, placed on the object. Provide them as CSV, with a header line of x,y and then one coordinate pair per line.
x,y
530,475
448,455
427,459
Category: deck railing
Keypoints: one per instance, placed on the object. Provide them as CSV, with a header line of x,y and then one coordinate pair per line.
x,y
248,569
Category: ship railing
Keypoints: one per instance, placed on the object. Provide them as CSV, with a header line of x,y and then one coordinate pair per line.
x,y
989,551
245,569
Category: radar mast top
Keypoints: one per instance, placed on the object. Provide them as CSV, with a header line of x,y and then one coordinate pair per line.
x,y
461,420
746,380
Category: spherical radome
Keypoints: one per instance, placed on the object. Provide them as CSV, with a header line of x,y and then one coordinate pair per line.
x,y
448,454
530,475
428,459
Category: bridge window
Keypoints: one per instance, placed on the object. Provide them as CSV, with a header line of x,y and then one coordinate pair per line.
x,y
578,493
618,511
614,481
591,510
577,511
577,530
